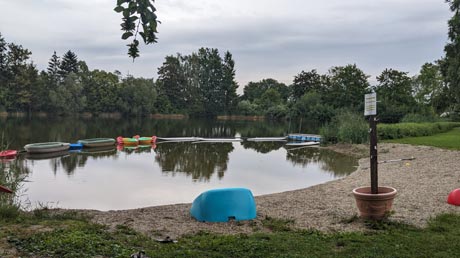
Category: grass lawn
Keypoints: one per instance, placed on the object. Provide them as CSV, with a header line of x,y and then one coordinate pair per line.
x,y
448,140
64,236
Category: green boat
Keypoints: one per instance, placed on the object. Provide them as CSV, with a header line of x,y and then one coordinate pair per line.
x,y
97,142
46,147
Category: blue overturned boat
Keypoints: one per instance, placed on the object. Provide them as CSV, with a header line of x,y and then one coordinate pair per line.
x,y
223,205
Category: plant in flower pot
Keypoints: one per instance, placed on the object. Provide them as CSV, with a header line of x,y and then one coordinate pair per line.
x,y
373,202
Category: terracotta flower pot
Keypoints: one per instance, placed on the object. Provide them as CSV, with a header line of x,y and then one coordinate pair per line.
x,y
374,206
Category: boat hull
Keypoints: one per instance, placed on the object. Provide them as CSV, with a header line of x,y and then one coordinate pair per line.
x,y
47,147
97,142
298,144
8,154
46,155
222,205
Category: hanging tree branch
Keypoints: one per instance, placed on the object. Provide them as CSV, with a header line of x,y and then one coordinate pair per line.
x,y
143,12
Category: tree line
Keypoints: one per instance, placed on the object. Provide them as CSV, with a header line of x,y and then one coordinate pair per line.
x,y
203,84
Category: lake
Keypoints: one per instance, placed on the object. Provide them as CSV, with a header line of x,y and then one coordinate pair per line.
x,y
168,172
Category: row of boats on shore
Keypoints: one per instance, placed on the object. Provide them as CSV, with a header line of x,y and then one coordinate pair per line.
x,y
50,147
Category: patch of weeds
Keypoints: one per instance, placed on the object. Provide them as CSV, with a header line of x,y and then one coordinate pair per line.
x,y
385,224
254,225
9,212
443,223
277,225
79,240
350,220
50,214
123,229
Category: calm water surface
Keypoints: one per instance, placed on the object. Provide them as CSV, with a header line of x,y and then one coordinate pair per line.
x,y
168,173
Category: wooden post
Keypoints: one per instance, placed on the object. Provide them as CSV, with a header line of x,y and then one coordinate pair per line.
x,y
373,153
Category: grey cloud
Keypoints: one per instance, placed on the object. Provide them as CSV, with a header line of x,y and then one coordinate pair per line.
x,y
267,38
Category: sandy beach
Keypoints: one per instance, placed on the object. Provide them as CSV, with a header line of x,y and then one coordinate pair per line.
x,y
422,183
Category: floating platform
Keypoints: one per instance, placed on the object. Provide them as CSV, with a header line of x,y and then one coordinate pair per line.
x,y
222,205
267,139
179,139
304,137
219,140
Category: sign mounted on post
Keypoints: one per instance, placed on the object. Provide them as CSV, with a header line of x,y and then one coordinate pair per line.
x,y
370,104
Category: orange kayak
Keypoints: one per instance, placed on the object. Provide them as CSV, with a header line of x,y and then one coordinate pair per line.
x,y
145,140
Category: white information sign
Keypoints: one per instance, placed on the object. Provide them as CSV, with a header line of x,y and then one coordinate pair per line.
x,y
370,104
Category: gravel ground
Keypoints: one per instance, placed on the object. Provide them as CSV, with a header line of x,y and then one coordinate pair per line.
x,y
423,185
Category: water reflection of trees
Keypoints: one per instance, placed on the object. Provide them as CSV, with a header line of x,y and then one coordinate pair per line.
x,y
330,161
70,161
25,130
199,160
263,147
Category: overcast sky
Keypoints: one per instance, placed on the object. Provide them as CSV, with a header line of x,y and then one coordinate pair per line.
x,y
268,39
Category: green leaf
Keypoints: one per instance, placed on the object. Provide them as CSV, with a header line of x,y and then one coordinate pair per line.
x,y
119,9
143,36
126,35
120,2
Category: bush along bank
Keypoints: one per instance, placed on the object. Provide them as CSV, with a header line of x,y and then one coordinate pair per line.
x,y
401,130
349,127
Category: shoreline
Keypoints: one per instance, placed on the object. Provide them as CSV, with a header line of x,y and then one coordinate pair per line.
x,y
423,185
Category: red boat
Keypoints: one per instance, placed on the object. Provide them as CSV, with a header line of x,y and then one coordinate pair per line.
x,y
8,154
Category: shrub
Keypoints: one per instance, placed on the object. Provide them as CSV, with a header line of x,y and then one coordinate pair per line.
x,y
245,107
347,127
396,131
277,112
419,118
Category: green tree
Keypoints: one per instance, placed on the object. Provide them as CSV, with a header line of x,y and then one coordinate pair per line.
x,y
68,98
171,83
210,77
269,98
254,90
429,88
310,107
3,72
137,96
191,67
69,64
102,91
306,82
53,68
17,78
229,84
394,92
347,86
450,66
245,107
